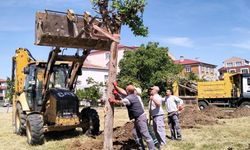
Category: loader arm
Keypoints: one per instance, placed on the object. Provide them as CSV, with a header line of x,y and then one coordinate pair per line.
x,y
76,65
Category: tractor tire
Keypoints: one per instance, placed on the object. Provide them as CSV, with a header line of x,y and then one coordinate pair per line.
x,y
20,121
90,121
34,129
202,105
245,104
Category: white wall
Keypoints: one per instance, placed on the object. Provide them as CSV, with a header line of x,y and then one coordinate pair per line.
x,y
99,58
97,74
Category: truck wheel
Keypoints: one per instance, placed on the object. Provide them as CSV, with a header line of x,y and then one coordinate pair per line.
x,y
90,121
245,105
202,105
34,131
20,121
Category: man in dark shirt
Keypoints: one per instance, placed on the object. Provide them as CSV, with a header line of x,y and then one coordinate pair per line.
x,y
136,112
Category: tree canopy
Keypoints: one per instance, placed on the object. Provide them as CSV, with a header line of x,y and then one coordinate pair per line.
x,y
116,13
149,65
92,92
10,89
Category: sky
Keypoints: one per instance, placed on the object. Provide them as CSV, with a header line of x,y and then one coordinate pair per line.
x,y
211,31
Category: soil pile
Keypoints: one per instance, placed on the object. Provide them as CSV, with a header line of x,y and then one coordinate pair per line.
x,y
191,117
216,112
122,139
240,112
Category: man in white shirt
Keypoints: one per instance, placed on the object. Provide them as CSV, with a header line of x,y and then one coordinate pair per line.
x,y
173,105
157,113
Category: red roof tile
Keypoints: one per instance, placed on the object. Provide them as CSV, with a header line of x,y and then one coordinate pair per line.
x,y
186,62
236,67
190,61
2,81
3,87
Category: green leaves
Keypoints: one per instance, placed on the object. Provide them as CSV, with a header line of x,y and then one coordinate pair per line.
x,y
92,92
122,12
147,66
10,89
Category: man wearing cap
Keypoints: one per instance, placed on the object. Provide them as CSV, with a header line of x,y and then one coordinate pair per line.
x,y
173,105
157,113
124,93
136,112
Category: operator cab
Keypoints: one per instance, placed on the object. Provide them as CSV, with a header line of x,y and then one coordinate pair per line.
x,y
34,81
246,85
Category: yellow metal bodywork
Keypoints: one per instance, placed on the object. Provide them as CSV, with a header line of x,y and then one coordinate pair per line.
x,y
217,89
22,59
23,101
175,88
51,116
50,113
67,121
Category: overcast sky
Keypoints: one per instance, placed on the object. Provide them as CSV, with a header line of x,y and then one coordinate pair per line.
x,y
209,30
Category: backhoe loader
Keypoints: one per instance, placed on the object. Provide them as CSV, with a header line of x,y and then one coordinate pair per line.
x,y
44,98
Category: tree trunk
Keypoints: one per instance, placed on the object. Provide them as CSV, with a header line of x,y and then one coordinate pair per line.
x,y
109,109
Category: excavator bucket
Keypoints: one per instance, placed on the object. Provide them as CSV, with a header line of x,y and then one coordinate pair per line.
x,y
69,30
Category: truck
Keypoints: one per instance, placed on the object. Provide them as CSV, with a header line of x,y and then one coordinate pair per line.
x,y
232,91
44,98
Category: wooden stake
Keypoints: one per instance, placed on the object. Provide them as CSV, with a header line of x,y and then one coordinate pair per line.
x,y
109,109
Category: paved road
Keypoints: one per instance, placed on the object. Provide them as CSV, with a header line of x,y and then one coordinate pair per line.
x,y
5,109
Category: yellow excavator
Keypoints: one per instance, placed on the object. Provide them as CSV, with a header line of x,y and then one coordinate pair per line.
x,y
44,99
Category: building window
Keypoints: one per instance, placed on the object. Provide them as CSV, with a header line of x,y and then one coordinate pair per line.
x,y
212,70
239,63
188,68
232,70
203,68
230,64
106,78
107,56
244,70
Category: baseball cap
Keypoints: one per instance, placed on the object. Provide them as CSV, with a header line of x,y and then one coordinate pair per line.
x,y
138,90
155,88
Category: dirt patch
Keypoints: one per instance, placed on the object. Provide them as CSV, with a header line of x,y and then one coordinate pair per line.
x,y
92,144
240,112
122,139
216,112
191,117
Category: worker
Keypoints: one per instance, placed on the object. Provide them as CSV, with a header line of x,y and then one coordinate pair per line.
x,y
157,114
136,112
124,93
174,105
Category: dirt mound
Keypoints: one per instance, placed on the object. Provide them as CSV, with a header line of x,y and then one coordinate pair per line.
x,y
93,144
191,117
240,112
216,112
122,139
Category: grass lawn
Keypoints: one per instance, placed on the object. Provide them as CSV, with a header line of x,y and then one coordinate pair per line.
x,y
233,133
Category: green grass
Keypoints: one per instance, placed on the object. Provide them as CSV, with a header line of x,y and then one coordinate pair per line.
x,y
233,133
